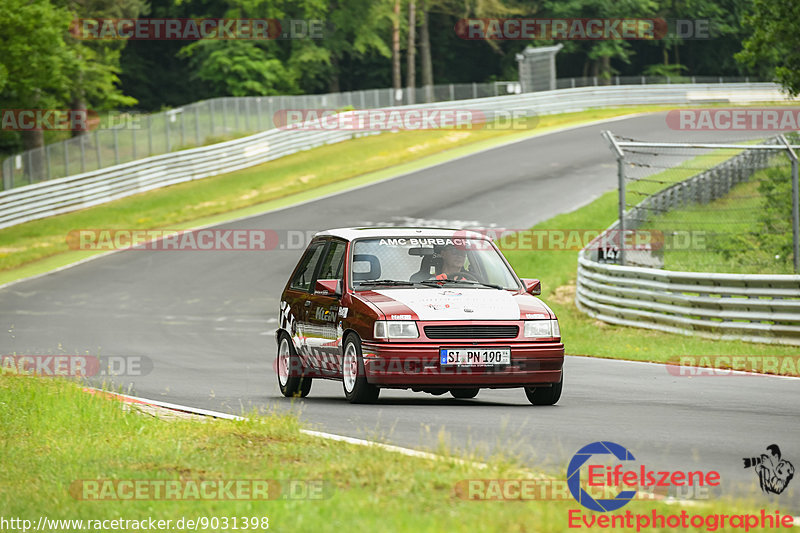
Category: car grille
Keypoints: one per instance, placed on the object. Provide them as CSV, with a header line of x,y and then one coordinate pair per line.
x,y
471,332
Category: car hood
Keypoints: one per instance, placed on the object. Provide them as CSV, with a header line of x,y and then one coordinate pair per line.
x,y
456,304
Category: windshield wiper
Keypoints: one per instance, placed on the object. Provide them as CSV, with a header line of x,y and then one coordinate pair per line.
x,y
395,282
432,282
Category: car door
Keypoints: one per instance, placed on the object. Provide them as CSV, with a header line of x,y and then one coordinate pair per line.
x,y
297,299
324,333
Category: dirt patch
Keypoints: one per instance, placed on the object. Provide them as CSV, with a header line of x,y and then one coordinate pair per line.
x,y
564,295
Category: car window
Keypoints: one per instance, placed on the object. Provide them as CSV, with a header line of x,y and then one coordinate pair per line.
x,y
308,264
333,264
415,259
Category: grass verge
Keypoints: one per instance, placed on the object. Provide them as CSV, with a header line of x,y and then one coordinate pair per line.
x,y
53,434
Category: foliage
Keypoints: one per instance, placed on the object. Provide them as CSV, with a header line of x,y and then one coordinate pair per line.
x,y
775,40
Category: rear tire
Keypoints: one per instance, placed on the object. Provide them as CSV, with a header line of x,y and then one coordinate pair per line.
x,y
464,394
354,380
545,395
292,386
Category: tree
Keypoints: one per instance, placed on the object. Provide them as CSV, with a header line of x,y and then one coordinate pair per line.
x,y
95,77
411,74
775,40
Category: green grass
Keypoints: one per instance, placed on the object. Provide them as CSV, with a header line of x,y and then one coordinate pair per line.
x,y
730,230
584,335
308,171
53,435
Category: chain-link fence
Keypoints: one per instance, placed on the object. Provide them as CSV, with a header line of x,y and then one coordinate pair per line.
x,y
708,207
135,136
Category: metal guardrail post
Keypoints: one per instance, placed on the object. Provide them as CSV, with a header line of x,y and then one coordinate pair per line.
x,y
621,185
795,206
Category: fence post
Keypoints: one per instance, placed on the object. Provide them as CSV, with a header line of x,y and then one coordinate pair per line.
x,y
236,112
197,124
83,152
133,141
7,164
183,128
47,158
166,131
29,166
149,135
116,146
795,206
621,185
97,149
66,157
452,92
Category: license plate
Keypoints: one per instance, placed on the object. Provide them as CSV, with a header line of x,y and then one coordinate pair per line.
x,y
474,356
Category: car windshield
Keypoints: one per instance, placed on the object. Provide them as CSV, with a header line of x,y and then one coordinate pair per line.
x,y
428,262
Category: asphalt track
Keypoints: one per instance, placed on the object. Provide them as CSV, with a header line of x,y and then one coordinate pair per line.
x,y
205,321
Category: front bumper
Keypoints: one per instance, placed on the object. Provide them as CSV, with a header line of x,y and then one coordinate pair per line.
x,y
416,364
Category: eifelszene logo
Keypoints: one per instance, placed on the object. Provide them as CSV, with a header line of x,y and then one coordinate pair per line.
x,y
635,477
774,473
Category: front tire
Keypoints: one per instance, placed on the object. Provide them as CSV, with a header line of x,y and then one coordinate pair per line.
x,y
354,380
292,386
545,395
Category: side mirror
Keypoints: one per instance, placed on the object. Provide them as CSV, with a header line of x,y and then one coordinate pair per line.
x,y
532,286
328,287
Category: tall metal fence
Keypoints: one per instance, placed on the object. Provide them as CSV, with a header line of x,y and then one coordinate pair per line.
x,y
710,207
705,232
136,136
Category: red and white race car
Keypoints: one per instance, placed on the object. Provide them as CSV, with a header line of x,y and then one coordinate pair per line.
x,y
433,310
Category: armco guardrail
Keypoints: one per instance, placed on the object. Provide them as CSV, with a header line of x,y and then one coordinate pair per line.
x,y
62,195
755,308
751,307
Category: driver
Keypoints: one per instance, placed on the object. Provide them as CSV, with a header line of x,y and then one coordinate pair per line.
x,y
453,258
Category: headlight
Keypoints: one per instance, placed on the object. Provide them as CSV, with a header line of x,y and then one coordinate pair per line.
x,y
537,329
395,329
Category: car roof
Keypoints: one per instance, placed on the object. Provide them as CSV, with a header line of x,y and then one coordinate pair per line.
x,y
350,234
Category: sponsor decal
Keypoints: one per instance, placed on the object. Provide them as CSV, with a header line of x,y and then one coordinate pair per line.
x,y
436,304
